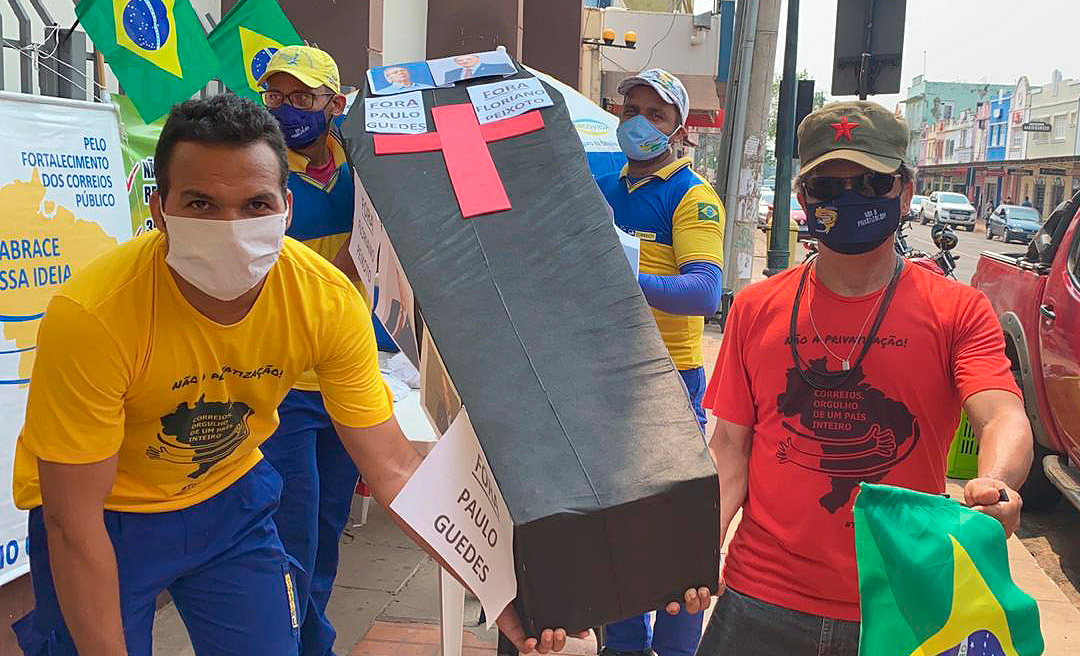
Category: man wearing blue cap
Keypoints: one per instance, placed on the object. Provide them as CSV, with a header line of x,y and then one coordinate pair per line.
x,y
658,198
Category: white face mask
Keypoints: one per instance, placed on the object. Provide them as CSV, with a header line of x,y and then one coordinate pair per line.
x,y
224,259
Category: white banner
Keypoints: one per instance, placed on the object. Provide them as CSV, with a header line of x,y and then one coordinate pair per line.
x,y
400,114
64,198
367,235
453,502
507,99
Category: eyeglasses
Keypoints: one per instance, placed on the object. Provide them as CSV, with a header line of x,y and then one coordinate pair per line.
x,y
870,184
298,99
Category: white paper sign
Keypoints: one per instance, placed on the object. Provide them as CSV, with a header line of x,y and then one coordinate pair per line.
x,y
453,502
744,266
400,114
367,234
632,247
508,98
396,307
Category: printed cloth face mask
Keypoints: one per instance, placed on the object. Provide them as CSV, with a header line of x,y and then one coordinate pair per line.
x,y
640,140
853,223
301,127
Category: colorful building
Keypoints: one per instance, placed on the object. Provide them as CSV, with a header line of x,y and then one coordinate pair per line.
x,y
982,132
998,126
1018,115
929,102
1009,164
1054,169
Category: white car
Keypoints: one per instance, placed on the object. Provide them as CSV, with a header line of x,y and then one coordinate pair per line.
x,y
916,205
948,208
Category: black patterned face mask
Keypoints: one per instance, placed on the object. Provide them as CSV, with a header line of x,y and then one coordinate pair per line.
x,y
853,223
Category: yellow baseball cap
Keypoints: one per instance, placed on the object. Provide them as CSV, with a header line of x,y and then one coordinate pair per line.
x,y
312,66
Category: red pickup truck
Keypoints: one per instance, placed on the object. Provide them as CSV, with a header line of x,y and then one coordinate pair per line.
x,y
1036,294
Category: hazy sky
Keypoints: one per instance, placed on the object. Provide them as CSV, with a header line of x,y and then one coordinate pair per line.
x,y
965,40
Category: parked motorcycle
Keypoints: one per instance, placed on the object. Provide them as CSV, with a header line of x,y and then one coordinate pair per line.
x,y
902,246
943,262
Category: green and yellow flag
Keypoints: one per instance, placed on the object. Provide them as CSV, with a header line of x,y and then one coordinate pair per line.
x,y
934,580
245,40
138,141
157,49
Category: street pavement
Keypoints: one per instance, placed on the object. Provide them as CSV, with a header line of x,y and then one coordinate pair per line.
x,y
968,249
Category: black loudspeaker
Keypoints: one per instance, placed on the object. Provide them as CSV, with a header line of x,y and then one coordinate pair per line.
x,y
804,104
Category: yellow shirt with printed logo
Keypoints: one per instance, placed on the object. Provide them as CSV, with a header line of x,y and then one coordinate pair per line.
x,y
127,367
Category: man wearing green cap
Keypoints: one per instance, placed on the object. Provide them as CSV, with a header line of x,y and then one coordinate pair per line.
x,y
302,90
851,368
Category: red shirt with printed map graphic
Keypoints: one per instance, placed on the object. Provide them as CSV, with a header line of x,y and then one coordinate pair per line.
x,y
891,422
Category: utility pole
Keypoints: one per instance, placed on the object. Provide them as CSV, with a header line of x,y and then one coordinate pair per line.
x,y
785,142
751,84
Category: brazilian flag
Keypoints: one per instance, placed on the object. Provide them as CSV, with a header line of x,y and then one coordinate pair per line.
x,y
934,580
156,48
245,40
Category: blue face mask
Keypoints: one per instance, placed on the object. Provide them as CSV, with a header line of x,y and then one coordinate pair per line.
x,y
640,140
852,223
301,127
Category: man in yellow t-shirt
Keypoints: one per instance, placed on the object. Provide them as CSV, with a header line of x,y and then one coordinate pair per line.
x,y
159,371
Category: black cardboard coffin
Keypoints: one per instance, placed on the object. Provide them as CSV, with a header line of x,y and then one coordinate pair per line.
x,y
545,333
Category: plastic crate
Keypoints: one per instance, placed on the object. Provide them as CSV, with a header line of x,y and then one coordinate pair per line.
x,y
964,453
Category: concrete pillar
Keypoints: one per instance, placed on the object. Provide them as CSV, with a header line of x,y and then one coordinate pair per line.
x,y
742,214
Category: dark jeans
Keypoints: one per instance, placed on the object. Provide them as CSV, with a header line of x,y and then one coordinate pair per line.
x,y
745,626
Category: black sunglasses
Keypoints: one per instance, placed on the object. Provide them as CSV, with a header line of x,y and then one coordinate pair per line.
x,y
874,185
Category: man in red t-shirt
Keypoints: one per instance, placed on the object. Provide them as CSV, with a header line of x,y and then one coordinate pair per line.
x,y
853,367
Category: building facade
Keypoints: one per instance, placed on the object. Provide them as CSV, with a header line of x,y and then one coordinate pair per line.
x,y
1016,165
1018,115
929,102
982,132
998,125
1053,175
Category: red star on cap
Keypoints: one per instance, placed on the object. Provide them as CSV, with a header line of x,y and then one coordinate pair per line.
x,y
843,129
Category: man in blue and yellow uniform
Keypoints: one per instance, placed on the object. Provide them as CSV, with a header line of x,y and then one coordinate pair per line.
x,y
303,91
680,221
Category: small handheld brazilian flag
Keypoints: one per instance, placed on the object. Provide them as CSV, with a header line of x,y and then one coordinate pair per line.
x,y
934,580
156,48
245,40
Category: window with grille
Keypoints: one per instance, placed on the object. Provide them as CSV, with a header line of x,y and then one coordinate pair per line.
x,y
1059,127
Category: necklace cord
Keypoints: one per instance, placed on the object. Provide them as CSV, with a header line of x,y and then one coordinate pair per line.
x,y
844,376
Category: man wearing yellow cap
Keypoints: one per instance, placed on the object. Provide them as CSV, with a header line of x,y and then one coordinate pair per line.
x,y
303,92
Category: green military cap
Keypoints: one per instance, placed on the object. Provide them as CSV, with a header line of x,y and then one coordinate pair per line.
x,y
859,131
